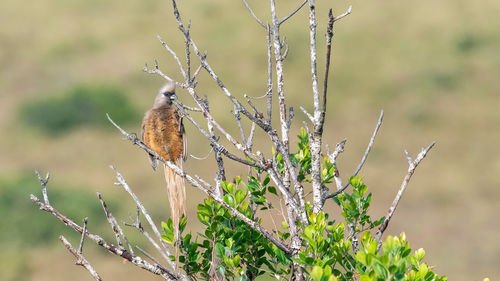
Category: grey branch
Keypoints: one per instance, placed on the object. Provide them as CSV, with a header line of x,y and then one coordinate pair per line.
x,y
173,54
80,248
348,12
282,20
339,148
117,230
370,144
80,259
136,260
253,14
126,187
365,155
137,225
44,182
411,169
269,75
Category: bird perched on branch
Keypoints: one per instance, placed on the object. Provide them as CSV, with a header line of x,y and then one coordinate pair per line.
x,y
163,132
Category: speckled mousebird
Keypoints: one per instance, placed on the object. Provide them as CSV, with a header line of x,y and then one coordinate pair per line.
x,y
163,132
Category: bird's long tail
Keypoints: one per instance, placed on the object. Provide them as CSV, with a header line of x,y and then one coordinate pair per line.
x,y
177,198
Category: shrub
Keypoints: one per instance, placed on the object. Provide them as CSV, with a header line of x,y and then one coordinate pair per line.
x,y
82,105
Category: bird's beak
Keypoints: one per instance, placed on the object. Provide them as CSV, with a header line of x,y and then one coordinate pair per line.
x,y
173,97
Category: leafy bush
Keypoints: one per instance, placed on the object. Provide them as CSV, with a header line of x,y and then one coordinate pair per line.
x,y
82,105
330,250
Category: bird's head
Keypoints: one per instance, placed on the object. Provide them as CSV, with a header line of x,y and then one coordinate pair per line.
x,y
166,95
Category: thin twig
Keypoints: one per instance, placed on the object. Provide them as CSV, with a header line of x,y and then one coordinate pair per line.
x,y
311,118
44,182
339,148
126,187
117,230
411,169
137,225
80,259
269,75
363,159
348,12
202,157
253,14
80,247
156,70
173,54
370,144
149,256
282,20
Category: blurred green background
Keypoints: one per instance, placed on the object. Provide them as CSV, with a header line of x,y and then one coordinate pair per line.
x,y
433,66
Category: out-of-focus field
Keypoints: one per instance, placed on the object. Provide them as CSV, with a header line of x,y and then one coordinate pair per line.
x,y
433,66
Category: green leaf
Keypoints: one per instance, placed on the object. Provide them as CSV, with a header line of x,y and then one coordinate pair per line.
x,y
236,260
240,196
168,231
272,189
266,180
219,249
316,273
380,270
419,254
182,223
284,225
228,198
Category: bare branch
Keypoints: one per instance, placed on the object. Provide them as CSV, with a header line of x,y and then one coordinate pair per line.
x,y
319,190
202,157
173,54
221,171
250,136
370,144
408,157
348,12
411,169
279,74
311,118
156,70
137,225
80,248
253,14
188,55
282,20
117,230
363,159
236,113
339,148
136,260
126,187
191,108
211,72
80,259
149,256
44,182
269,76
329,35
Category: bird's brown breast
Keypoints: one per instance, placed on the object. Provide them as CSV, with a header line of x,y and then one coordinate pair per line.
x,y
162,132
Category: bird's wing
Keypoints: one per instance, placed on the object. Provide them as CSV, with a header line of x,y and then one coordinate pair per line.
x,y
152,159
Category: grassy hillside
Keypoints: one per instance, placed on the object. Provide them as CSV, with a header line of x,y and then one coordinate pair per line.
x,y
432,66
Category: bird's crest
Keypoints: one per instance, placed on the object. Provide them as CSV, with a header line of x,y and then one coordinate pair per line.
x,y
168,87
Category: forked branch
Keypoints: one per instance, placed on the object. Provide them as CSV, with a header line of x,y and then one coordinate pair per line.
x,y
411,169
